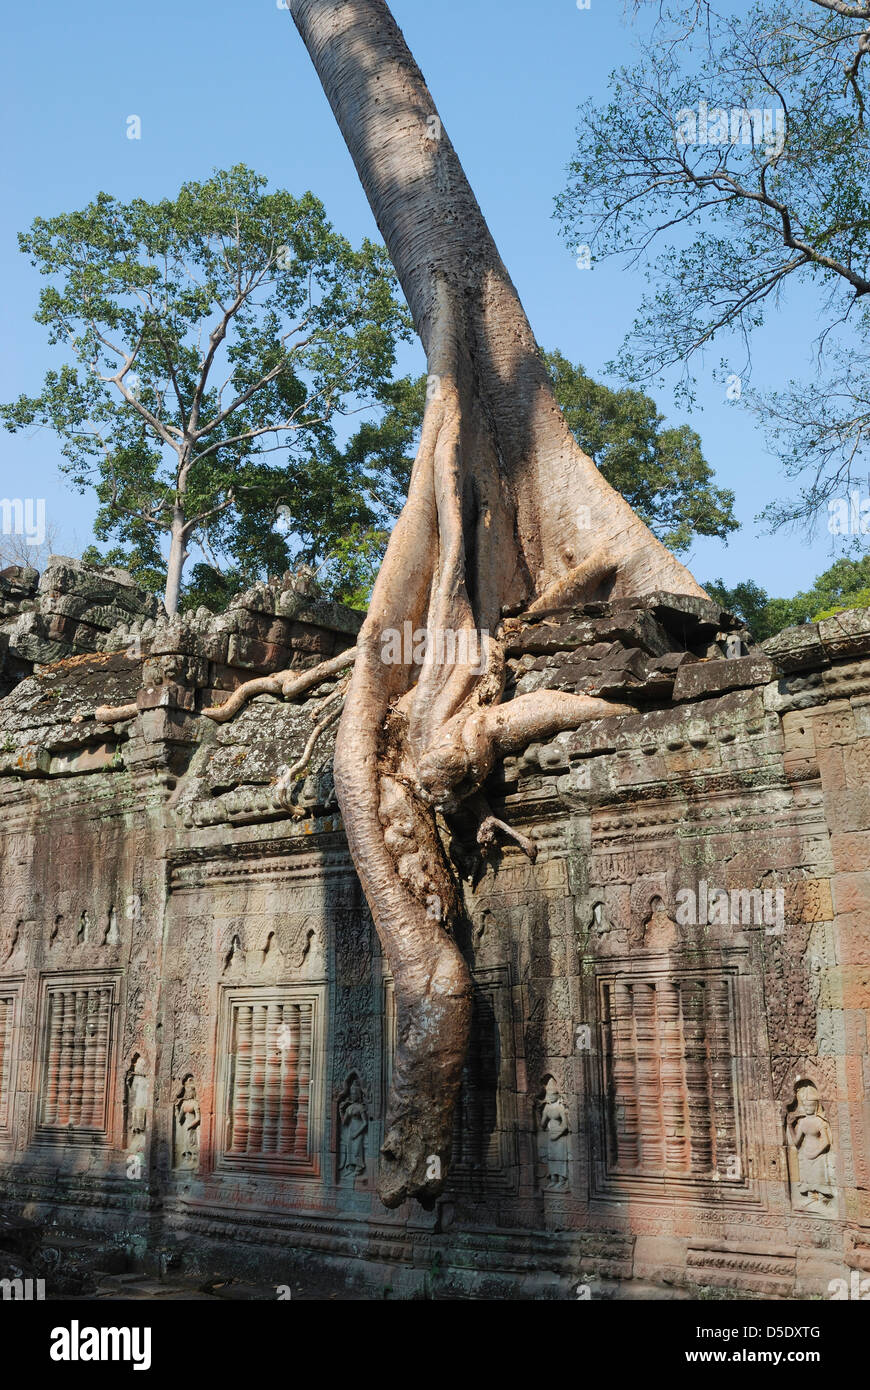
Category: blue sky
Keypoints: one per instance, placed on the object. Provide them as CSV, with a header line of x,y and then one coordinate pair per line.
x,y
229,81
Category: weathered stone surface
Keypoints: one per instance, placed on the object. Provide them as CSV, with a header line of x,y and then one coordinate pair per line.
x,y
797,648
846,634
69,609
669,1002
715,677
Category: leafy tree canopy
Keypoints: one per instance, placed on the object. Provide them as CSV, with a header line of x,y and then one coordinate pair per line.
x,y
845,585
215,340
661,472
731,162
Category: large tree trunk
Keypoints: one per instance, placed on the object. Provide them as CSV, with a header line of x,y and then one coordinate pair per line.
x,y
505,513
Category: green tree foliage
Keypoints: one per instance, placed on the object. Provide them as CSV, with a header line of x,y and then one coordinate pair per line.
x,y
213,342
845,585
733,162
661,472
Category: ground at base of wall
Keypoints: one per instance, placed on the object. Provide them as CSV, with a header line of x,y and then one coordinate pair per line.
x,y
84,1266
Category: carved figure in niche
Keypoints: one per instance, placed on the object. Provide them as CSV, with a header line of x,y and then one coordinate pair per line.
x,y
9,943
599,924
111,935
553,1134
809,1135
234,959
659,930
481,925
601,932
354,1125
188,1120
137,1104
295,934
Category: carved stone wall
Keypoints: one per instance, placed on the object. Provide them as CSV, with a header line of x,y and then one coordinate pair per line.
x,y
669,1067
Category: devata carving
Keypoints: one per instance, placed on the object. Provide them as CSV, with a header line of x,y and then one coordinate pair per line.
x,y
808,1135
496,524
354,1126
137,1089
188,1120
553,1131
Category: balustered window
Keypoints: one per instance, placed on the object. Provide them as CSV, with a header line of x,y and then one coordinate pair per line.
x,y
271,1094
77,1043
476,1136
7,1025
668,1051
484,1124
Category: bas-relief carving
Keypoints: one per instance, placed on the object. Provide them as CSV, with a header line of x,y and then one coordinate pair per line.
x,y
187,1124
553,1132
506,916
515,881
235,956
650,925
111,934
271,945
354,938
602,927
657,931
810,1149
354,1119
12,943
136,1098
647,926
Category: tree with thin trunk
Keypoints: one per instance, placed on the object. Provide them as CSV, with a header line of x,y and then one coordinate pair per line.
x,y
496,523
214,339
732,163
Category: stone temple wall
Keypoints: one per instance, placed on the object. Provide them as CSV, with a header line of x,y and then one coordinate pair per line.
x,y
668,1078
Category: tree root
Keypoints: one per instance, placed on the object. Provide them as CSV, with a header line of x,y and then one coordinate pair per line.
x,y
290,684
496,521
564,592
415,743
115,714
486,836
287,776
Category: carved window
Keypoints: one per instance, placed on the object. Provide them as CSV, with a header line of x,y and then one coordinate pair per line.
x,y
271,1092
476,1121
484,1128
484,1125
77,1047
7,1023
668,1049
